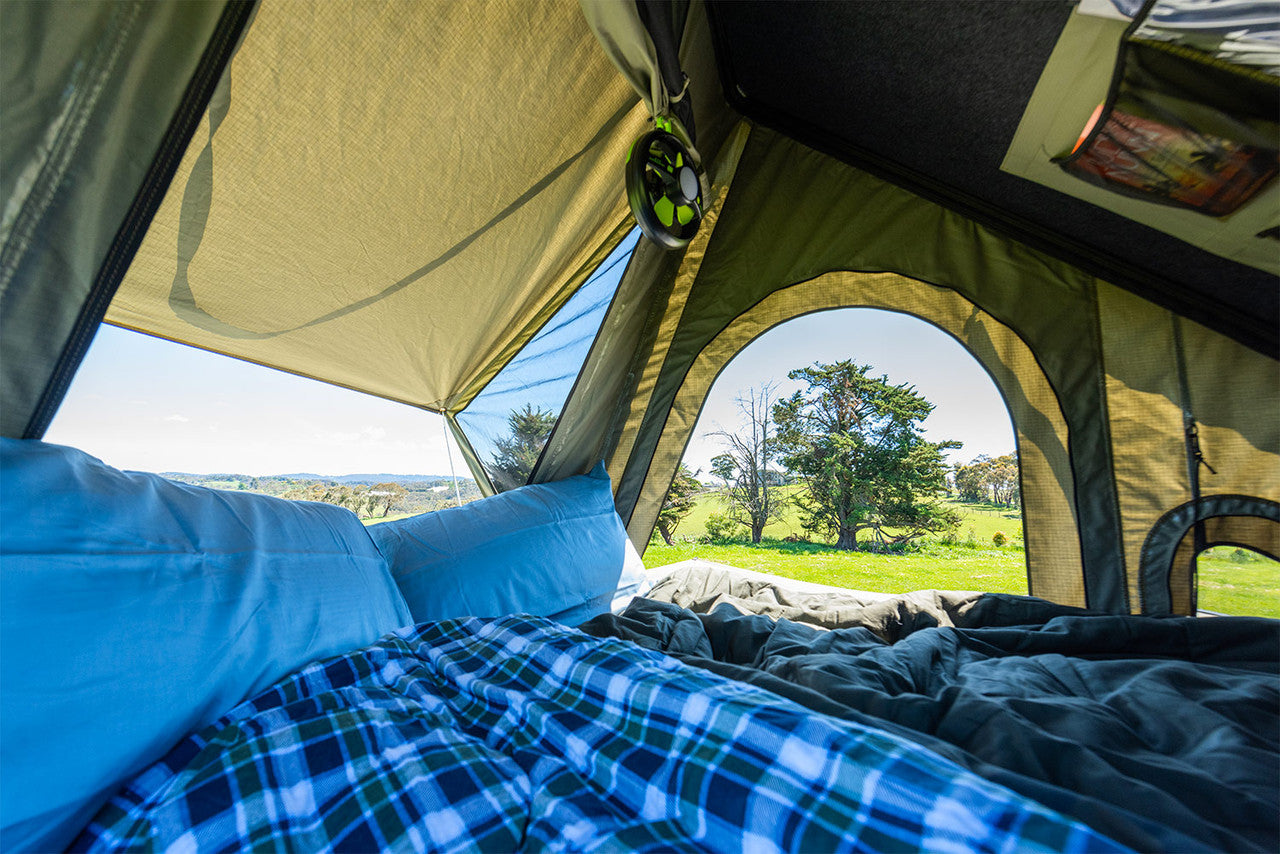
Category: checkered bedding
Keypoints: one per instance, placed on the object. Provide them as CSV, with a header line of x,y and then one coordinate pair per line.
x,y
521,734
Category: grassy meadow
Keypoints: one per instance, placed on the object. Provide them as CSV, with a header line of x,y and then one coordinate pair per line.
x,y
1236,581
1231,581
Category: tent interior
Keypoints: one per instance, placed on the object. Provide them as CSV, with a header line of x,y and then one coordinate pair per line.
x,y
397,198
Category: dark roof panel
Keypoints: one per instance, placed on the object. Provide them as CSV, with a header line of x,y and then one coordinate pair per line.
x,y
929,95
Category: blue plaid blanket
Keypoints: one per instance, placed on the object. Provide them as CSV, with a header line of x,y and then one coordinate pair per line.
x,y
521,734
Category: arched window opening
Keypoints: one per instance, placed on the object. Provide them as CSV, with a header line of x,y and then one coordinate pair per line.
x,y
860,448
1216,555
1237,581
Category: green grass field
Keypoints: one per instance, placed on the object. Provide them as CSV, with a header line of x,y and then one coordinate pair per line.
x,y
994,570
1235,581
1231,581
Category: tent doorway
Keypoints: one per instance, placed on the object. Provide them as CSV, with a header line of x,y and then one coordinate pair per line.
x,y
1052,538
965,406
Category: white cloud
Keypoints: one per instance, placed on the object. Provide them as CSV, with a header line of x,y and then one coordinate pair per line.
x,y
179,418
336,438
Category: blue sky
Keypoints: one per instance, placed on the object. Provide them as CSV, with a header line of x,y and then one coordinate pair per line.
x,y
151,405
147,404
907,350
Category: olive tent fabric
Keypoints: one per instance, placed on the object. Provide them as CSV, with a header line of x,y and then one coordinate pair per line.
x,y
792,215
386,198
1094,380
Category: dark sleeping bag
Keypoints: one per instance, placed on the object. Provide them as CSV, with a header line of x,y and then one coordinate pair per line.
x,y
1163,734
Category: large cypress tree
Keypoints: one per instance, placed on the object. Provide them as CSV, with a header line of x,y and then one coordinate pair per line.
x,y
856,443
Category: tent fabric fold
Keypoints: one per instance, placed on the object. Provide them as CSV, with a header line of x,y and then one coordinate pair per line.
x,y
383,184
91,92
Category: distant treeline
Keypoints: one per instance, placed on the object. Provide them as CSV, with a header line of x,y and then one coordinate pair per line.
x,y
369,496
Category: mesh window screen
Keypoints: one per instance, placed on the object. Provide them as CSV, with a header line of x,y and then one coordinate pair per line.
x,y
509,422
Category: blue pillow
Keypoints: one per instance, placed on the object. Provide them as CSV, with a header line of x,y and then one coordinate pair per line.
x,y
134,609
553,549
634,582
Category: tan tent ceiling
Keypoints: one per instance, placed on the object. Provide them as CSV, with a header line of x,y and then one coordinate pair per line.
x,y
386,199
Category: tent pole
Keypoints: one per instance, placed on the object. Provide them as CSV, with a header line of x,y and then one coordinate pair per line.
x,y
444,428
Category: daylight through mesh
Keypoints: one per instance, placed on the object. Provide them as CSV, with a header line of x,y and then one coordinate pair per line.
x,y
509,422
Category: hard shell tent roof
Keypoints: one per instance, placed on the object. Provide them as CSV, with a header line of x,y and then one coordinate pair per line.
x,y
396,198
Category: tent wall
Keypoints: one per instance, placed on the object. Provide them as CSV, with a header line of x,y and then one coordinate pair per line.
x,y
1052,543
1228,389
91,96
796,231
791,215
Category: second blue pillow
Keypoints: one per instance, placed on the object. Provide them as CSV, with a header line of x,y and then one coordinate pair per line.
x,y
555,550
